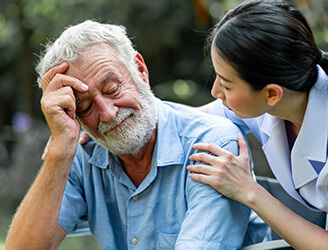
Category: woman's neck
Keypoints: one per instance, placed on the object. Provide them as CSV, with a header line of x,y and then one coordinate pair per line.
x,y
292,107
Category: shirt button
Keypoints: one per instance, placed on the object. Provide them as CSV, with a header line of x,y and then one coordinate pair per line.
x,y
134,241
136,197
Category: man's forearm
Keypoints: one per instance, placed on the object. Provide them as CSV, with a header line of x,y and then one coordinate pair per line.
x,y
35,223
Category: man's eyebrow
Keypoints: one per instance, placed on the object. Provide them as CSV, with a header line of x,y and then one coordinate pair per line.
x,y
78,101
102,82
106,78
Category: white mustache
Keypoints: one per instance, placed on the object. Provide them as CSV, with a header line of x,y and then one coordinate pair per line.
x,y
124,113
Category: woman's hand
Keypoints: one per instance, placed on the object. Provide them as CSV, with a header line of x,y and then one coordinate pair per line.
x,y
228,174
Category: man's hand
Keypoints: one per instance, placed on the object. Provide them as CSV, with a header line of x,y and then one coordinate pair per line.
x,y
35,225
84,138
59,104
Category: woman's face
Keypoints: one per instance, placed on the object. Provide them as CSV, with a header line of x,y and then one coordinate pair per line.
x,y
235,93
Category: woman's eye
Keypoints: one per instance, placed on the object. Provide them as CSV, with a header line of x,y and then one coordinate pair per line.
x,y
223,86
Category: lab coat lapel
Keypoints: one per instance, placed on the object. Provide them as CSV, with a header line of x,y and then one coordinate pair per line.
x,y
311,143
275,146
295,170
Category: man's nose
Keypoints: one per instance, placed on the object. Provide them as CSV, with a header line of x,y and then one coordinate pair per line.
x,y
107,110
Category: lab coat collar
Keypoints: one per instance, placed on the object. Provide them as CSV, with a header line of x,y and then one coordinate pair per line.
x,y
311,143
276,149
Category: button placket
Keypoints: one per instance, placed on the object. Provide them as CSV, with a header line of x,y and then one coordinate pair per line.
x,y
134,212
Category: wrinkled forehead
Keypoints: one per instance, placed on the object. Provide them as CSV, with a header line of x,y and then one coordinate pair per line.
x,y
94,59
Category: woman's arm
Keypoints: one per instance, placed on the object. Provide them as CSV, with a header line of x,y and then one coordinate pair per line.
x,y
232,177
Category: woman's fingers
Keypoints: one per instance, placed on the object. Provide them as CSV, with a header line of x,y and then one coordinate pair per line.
x,y
243,148
201,178
214,149
228,174
199,168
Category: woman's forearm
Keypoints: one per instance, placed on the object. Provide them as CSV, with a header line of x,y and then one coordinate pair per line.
x,y
298,232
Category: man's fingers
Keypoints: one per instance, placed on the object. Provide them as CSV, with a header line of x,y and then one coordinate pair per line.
x,y
47,78
55,79
60,81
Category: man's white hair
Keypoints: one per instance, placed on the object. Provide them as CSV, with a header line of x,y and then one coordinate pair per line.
x,y
75,39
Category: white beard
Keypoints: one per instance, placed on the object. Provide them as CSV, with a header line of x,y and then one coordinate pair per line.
x,y
130,137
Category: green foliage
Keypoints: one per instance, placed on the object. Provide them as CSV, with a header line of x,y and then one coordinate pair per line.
x,y
170,34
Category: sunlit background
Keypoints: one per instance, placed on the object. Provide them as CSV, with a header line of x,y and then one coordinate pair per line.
x,y
170,34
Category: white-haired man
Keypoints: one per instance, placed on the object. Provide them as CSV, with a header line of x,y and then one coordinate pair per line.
x,y
130,182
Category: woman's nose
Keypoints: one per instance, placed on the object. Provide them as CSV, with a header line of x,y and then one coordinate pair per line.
x,y
217,90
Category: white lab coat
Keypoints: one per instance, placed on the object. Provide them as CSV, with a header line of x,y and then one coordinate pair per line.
x,y
303,171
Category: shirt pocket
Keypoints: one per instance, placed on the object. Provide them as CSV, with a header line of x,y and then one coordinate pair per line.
x,y
166,241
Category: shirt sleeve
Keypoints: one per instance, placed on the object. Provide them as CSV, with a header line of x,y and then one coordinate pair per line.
x,y
213,221
73,209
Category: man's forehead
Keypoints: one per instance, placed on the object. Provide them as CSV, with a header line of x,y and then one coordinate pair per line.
x,y
93,60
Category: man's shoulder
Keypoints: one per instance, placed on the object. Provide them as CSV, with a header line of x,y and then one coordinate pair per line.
x,y
196,123
188,114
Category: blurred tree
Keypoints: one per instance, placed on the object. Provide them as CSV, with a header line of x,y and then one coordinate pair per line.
x,y
164,31
169,34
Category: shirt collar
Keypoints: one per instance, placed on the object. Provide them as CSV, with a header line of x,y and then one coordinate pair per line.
x,y
169,147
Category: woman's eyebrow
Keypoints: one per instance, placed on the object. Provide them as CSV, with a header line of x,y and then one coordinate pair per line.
x,y
225,79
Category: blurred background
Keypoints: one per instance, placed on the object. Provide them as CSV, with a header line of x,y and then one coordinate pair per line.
x,y
171,35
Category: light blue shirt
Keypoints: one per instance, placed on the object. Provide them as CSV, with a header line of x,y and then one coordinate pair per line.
x,y
168,208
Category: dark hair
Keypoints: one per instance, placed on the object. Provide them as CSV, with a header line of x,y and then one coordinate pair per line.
x,y
269,41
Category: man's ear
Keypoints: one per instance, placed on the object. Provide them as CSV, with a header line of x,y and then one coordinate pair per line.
x,y
274,93
142,68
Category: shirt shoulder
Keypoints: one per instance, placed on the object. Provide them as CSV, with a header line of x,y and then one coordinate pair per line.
x,y
193,123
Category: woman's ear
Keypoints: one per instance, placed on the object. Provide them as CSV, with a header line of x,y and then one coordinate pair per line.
x,y
274,93
142,68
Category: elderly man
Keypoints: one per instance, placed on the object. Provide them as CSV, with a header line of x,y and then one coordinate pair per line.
x,y
130,182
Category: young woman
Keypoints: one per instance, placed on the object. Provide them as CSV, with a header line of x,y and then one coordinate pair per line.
x,y
271,80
